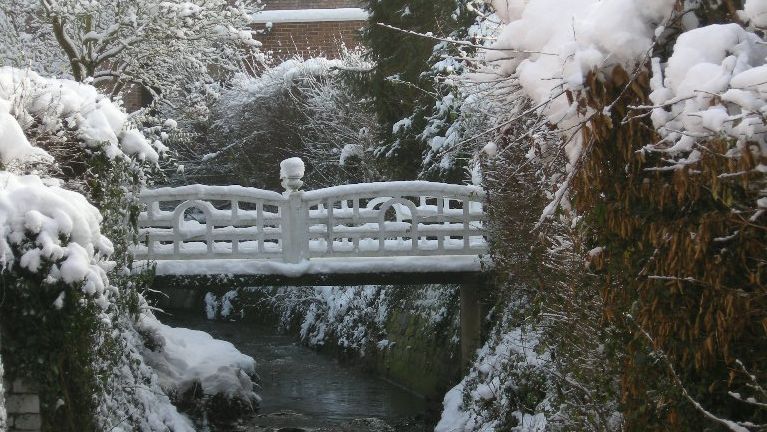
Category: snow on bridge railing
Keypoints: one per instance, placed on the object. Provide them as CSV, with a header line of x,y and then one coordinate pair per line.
x,y
413,218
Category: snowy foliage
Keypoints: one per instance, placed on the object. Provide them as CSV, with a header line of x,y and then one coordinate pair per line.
x,y
709,87
506,388
714,86
468,109
133,398
56,232
34,219
550,48
353,319
36,111
551,64
173,49
55,258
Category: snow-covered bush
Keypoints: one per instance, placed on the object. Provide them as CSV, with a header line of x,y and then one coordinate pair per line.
x,y
54,263
507,387
54,233
305,108
67,120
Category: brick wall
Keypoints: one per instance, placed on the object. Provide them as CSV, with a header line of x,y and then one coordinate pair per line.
x,y
136,97
22,403
286,40
311,4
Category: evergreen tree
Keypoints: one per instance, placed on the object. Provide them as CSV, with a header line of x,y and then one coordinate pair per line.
x,y
402,84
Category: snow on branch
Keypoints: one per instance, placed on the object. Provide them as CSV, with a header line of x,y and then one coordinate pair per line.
x,y
53,105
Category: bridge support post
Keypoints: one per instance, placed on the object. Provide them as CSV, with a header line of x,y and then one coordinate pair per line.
x,y
294,230
471,321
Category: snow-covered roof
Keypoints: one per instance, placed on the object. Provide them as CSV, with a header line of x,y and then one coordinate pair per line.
x,y
310,15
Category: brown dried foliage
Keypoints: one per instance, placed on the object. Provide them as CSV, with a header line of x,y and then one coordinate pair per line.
x,y
682,257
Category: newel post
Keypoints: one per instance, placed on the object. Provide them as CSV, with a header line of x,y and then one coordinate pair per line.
x,y
295,240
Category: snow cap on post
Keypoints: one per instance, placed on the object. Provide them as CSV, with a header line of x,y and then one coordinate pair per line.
x,y
291,173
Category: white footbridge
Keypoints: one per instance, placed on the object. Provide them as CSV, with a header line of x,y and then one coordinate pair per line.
x,y
389,227
208,238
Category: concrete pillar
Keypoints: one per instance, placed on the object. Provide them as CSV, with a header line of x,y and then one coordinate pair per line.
x,y
471,321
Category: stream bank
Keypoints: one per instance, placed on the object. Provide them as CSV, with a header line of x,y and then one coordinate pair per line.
x,y
303,390
408,335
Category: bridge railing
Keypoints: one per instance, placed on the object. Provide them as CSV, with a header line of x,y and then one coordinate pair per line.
x,y
363,220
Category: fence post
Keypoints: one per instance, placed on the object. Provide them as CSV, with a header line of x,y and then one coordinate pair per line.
x,y
295,246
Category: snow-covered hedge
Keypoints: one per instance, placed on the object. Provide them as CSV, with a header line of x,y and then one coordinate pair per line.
x,y
506,389
304,107
33,106
49,230
654,173
711,86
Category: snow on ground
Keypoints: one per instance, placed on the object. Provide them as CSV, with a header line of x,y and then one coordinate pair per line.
x,y
186,358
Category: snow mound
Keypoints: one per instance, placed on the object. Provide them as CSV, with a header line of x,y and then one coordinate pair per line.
x,y
755,12
42,223
186,358
292,168
27,98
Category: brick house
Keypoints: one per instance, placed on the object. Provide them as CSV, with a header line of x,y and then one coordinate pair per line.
x,y
308,28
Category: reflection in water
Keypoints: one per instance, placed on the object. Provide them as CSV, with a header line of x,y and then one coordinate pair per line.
x,y
303,389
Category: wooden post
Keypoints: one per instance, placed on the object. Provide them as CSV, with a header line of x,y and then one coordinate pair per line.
x,y
471,321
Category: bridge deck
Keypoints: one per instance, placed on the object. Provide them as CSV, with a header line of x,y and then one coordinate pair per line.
x,y
321,266
319,271
183,284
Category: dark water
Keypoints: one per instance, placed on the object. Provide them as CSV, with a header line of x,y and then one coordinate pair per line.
x,y
304,390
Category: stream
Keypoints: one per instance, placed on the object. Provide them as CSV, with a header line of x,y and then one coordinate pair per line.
x,y
303,390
